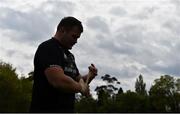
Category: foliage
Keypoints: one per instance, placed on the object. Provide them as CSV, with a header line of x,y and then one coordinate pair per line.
x,y
164,94
15,93
87,105
108,89
140,86
163,97
131,102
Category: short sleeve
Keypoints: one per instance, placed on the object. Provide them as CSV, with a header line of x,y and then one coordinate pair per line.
x,y
47,56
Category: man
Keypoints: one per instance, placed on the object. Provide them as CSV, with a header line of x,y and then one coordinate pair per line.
x,y
56,77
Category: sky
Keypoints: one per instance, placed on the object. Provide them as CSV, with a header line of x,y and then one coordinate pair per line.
x,y
123,38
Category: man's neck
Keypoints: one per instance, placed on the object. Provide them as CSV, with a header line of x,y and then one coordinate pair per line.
x,y
59,40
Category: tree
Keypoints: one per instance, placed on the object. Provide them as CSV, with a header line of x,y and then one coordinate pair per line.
x,y
164,94
177,85
106,93
131,102
120,91
85,105
8,87
14,92
109,87
140,86
25,89
30,76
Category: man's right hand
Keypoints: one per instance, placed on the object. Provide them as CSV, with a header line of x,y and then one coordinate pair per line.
x,y
84,88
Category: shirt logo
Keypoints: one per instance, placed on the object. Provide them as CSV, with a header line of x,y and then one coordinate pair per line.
x,y
71,70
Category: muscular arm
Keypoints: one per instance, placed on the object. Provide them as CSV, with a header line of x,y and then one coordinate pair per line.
x,y
57,78
84,78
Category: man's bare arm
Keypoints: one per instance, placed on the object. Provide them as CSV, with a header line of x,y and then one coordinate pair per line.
x,y
57,78
84,78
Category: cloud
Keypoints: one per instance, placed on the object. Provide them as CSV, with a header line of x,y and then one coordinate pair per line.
x,y
20,60
22,30
122,38
173,25
118,11
28,25
98,23
125,40
137,44
35,25
176,3
146,13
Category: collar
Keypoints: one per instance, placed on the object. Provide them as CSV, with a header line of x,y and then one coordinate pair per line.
x,y
60,45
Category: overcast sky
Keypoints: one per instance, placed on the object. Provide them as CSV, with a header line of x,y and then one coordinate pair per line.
x,y
123,38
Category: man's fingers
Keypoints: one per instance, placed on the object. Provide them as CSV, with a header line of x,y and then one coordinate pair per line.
x,y
92,65
92,68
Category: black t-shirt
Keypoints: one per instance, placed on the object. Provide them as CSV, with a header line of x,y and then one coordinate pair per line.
x,y
46,98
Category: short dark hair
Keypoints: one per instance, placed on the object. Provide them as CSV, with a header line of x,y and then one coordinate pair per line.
x,y
69,22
